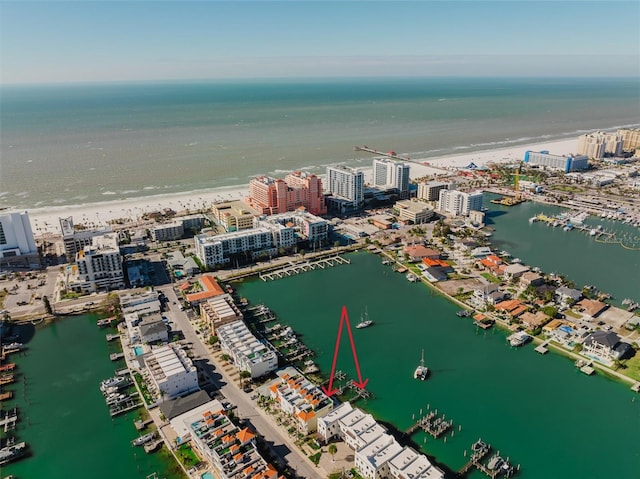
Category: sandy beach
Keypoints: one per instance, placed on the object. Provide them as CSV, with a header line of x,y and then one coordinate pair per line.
x,y
46,220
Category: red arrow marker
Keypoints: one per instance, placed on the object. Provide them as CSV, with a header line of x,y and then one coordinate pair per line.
x,y
329,391
359,384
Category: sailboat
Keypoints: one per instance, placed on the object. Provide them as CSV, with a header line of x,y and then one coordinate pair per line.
x,y
364,320
421,371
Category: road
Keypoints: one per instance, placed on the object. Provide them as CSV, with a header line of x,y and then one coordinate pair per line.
x,y
246,408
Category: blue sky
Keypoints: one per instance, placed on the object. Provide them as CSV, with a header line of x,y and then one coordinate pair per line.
x,y
55,41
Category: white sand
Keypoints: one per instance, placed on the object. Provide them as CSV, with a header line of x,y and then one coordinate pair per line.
x,y
46,220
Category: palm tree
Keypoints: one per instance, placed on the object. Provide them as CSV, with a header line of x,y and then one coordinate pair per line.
x,y
244,375
332,449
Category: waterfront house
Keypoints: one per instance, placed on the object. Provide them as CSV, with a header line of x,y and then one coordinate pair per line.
x,y
515,271
139,301
533,321
512,308
329,426
568,295
601,346
372,460
418,253
481,252
247,352
531,279
208,288
171,371
410,464
218,311
153,330
590,307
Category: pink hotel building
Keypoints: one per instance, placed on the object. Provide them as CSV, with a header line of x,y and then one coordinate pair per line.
x,y
271,196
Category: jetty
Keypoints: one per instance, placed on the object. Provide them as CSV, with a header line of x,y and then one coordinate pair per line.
x,y
585,367
152,446
6,395
7,379
140,424
297,268
7,367
116,356
495,467
111,337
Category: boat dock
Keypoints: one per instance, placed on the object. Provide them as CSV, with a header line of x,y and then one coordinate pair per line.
x,y
6,395
152,446
297,268
8,422
111,337
7,379
122,372
140,425
432,423
7,367
496,466
116,356
585,367
125,407
478,451
542,348
636,387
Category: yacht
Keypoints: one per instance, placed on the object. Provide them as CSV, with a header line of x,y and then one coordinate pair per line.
x,y
115,381
364,321
421,371
13,347
139,441
12,451
412,277
518,339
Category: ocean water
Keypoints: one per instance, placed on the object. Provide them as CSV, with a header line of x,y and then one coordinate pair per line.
x,y
75,144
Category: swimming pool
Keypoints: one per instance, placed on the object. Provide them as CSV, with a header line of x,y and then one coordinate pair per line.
x,y
207,475
138,350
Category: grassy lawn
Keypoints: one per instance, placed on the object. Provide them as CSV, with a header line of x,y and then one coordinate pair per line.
x,y
491,278
572,314
632,367
187,456
315,458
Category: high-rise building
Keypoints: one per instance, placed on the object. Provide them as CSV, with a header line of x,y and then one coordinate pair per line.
x,y
459,203
76,239
391,174
346,186
98,266
17,243
595,145
299,189
630,138
430,190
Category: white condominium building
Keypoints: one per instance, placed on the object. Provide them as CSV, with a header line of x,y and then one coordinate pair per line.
x,y
310,227
459,203
172,371
168,231
219,249
219,310
556,162
391,174
99,266
247,352
415,211
630,138
139,301
410,464
372,460
346,184
75,240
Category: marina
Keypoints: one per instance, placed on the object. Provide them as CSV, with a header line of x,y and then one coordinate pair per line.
x,y
297,268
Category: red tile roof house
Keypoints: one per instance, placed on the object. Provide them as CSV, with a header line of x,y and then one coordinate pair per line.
x,y
512,307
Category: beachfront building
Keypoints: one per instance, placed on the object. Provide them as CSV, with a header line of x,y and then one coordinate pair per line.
x,y
459,203
430,190
391,174
180,265
414,212
17,243
234,215
601,346
193,223
556,162
171,371
346,188
76,239
98,266
167,231
630,138
299,398
219,311
299,189
262,241
599,143
247,352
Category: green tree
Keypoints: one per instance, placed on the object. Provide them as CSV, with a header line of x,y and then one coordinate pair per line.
x,y
332,449
244,375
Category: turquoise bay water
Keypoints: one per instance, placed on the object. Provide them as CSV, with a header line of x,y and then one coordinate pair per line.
x,y
610,267
538,410
108,141
62,413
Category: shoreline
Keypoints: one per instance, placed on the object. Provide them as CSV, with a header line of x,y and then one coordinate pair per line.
x,y
44,220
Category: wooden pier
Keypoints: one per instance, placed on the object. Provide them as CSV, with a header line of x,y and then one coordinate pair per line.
x,y
140,425
7,379
111,337
9,420
431,423
496,466
7,367
477,455
6,395
542,348
122,372
297,268
152,446
116,356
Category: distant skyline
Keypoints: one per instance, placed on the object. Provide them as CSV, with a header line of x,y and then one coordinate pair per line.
x,y
87,41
